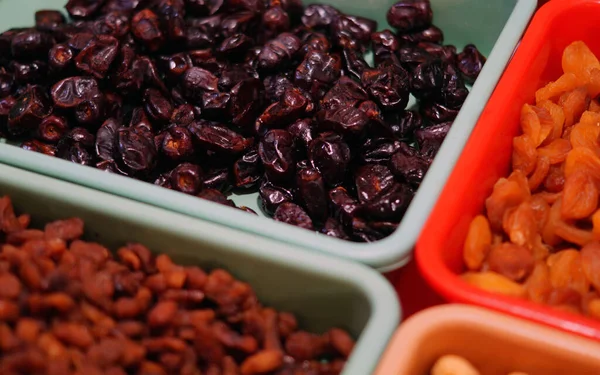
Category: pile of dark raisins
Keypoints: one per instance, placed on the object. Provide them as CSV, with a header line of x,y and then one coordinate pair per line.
x,y
211,96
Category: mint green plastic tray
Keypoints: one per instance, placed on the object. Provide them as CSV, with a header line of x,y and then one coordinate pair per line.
x,y
322,291
495,26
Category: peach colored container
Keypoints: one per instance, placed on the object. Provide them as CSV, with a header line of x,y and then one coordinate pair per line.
x,y
494,343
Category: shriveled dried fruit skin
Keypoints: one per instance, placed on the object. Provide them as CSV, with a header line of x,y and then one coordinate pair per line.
x,y
65,302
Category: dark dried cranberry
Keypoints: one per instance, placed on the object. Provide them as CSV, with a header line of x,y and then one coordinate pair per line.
x,y
348,121
318,72
372,180
363,231
38,146
71,91
408,165
354,28
235,47
293,214
6,84
275,86
97,57
278,52
388,206
145,27
343,206
52,129
246,103
276,150
113,23
378,150
136,151
157,106
302,131
430,139
411,57
345,93
216,197
312,193
234,74
389,86
410,15
5,106
437,113
29,72
470,62
253,5
60,58
439,81
75,152
218,138
405,124
90,112
275,20
385,39
186,178
177,143
48,20
292,105
272,196
241,22
319,16
333,228
183,115
197,81
31,44
106,140
215,106
83,8
218,179
330,155
446,53
82,136
247,170
431,35
315,41
29,110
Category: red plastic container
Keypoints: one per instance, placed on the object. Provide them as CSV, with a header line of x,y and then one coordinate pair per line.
x,y
486,158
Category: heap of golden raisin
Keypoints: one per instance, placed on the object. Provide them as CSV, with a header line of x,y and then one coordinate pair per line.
x,y
540,237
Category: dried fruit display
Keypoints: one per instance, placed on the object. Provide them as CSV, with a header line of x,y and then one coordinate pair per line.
x,y
540,236
71,307
211,97
456,365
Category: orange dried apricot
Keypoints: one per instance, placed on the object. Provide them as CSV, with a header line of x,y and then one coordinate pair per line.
x,y
510,260
508,193
540,173
524,156
477,245
556,151
565,83
538,284
579,197
520,225
590,260
558,117
494,282
566,271
574,103
578,59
